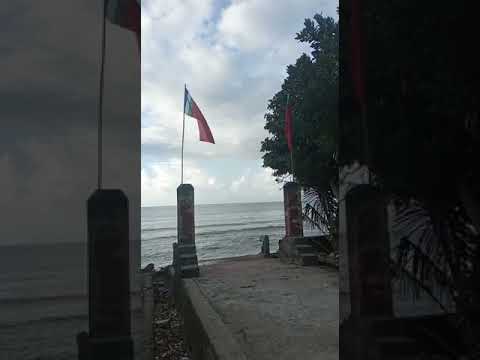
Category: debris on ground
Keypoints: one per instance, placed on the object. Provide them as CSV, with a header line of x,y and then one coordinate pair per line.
x,y
168,340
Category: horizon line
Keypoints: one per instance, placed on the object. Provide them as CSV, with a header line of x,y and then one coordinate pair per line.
x,y
230,203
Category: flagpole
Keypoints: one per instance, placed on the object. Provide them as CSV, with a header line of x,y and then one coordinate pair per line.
x,y
100,98
183,128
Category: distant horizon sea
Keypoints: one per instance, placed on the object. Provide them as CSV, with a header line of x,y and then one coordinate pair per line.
x,y
221,230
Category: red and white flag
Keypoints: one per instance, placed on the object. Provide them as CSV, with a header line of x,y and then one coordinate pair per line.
x,y
191,109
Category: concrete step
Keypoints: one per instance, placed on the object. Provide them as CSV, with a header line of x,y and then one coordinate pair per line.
x,y
186,248
309,254
304,249
188,259
188,267
302,241
188,256
303,246
307,260
191,270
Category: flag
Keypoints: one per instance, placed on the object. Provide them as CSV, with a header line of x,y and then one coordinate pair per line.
x,y
125,13
191,109
289,126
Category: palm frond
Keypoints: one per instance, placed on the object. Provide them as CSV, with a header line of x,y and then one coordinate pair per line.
x,y
436,254
320,212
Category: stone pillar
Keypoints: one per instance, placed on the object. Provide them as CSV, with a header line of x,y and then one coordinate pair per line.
x,y
349,176
186,254
294,247
369,254
292,202
109,334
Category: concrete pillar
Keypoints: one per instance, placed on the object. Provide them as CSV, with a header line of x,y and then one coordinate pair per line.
x,y
185,214
292,202
294,247
108,278
186,254
369,253
349,176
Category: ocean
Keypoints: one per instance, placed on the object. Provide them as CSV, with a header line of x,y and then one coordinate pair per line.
x,y
221,230
42,287
43,302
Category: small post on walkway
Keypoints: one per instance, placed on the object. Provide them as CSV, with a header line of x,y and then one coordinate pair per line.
x,y
265,245
109,334
186,253
292,203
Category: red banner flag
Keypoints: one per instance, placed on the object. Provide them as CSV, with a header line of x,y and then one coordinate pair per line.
x,y
191,109
289,126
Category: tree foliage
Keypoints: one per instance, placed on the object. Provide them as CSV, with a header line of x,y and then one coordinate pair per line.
x,y
421,93
312,86
422,115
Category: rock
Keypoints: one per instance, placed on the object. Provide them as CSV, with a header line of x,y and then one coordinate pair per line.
x,y
149,268
247,286
162,322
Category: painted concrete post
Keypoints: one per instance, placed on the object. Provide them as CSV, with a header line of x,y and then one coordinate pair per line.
x,y
292,203
108,278
185,214
350,176
369,253
186,253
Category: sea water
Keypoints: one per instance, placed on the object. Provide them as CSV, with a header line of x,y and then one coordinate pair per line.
x,y
221,230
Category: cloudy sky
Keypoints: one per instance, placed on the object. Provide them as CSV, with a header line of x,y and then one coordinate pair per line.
x,y
48,142
232,54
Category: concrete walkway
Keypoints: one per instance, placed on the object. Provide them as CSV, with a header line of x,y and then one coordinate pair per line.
x,y
275,310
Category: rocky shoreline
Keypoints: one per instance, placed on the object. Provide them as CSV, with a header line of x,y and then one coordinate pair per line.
x,y
168,342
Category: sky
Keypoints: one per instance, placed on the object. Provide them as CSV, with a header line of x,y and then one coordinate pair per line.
x,y
48,142
232,55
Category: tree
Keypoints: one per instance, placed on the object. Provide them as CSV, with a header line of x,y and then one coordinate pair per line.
x,y
422,115
312,84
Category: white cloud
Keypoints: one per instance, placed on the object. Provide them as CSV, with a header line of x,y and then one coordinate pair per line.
x,y
233,60
212,181
237,183
160,180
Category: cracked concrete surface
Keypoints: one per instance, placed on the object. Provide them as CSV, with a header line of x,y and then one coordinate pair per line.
x,y
275,310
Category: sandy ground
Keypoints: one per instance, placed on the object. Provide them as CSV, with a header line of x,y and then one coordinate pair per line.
x,y
276,311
